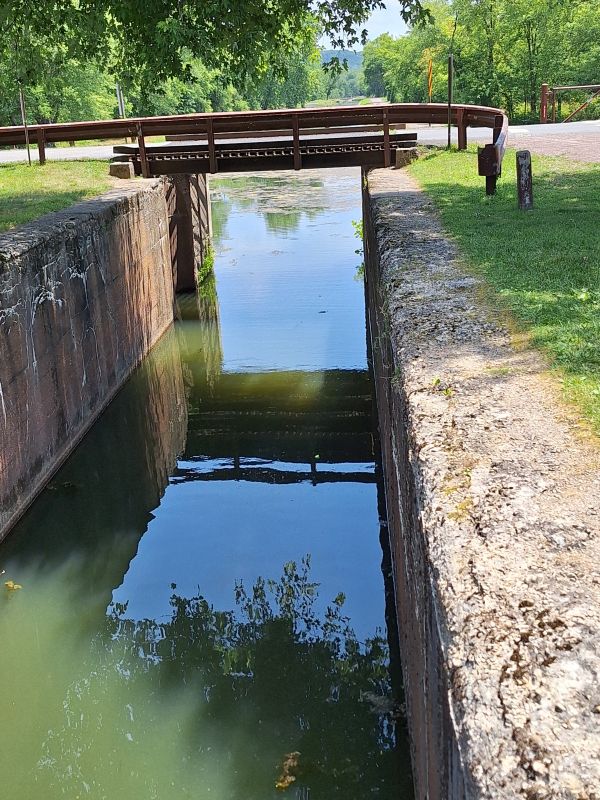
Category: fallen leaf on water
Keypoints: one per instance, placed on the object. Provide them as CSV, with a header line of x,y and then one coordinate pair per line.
x,y
290,764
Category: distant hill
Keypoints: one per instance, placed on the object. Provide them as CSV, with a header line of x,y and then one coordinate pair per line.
x,y
354,59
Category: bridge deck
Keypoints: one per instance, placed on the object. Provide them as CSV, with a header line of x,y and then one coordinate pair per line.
x,y
249,155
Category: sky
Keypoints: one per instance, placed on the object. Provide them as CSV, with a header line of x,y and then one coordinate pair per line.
x,y
386,20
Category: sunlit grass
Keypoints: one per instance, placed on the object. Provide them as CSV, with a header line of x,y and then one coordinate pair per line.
x,y
542,266
28,192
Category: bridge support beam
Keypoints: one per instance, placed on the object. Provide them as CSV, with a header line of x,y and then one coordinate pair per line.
x,y
188,205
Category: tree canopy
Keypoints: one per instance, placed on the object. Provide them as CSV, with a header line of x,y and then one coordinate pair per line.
x,y
152,39
503,51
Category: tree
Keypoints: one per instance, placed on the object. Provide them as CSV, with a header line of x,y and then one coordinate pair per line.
x,y
376,57
152,39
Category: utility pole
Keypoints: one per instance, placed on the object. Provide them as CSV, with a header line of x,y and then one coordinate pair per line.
x,y
120,101
451,81
450,88
24,120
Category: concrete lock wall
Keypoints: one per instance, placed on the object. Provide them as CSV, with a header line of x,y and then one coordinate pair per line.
x,y
492,500
84,295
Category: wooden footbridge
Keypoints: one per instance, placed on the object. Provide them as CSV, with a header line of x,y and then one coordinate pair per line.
x,y
248,141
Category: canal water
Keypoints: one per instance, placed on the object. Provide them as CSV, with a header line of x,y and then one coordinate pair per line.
x,y
202,604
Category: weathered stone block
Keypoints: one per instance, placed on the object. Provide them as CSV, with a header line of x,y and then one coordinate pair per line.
x,y
121,169
406,157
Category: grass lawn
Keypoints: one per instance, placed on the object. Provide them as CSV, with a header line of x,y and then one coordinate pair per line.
x,y
28,192
543,266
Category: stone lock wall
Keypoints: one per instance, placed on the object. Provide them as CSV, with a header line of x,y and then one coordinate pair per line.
x,y
84,294
492,495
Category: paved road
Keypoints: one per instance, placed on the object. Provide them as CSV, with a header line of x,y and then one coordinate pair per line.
x,y
578,140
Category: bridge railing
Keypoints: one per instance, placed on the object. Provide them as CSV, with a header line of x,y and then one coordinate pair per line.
x,y
298,122
549,97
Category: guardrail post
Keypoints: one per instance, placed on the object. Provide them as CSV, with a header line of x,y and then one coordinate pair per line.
x,y
41,142
544,103
142,147
387,152
212,153
296,136
553,106
462,129
524,180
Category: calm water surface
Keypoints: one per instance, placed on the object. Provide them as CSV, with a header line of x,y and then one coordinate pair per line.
x,y
202,611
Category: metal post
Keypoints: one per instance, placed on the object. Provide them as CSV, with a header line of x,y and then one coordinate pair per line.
x,y
524,180
430,79
553,106
450,78
120,101
544,103
24,119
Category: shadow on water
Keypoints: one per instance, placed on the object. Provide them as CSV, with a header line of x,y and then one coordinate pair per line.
x,y
153,652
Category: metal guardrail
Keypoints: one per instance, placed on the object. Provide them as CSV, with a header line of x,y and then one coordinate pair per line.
x,y
297,121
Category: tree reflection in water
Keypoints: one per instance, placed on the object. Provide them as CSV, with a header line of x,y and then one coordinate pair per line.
x,y
272,677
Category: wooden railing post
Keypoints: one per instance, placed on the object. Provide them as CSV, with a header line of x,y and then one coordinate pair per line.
x,y
387,152
142,147
41,142
462,128
296,136
212,153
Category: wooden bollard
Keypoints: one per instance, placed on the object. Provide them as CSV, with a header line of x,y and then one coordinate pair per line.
x,y
524,180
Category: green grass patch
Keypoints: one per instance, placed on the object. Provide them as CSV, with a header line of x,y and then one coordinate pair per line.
x,y
28,192
542,266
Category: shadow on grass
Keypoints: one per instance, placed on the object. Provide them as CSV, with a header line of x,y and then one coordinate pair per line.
x,y
544,265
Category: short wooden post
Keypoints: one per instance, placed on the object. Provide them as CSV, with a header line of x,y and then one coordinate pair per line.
x,y
524,180
142,148
544,103
41,142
